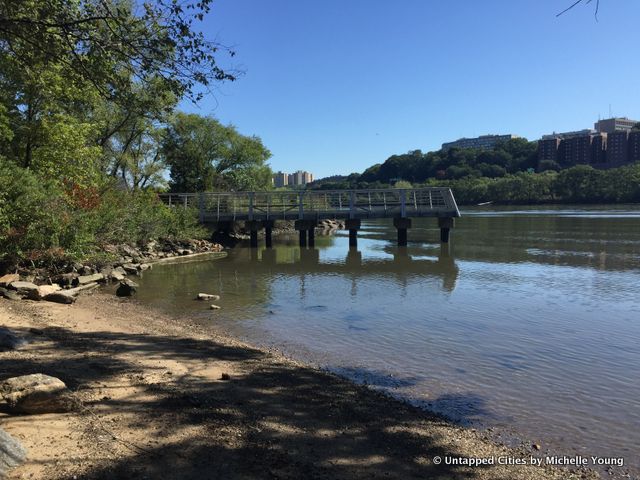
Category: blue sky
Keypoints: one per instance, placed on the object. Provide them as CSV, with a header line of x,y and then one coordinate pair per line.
x,y
334,86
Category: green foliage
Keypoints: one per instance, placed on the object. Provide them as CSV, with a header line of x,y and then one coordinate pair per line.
x,y
40,220
402,184
204,155
581,184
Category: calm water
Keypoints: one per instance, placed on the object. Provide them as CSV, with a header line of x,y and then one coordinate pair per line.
x,y
529,321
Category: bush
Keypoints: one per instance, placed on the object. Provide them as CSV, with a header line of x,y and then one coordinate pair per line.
x,y
42,221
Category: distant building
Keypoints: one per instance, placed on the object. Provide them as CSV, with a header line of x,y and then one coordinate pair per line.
x,y
575,133
483,142
548,149
634,146
612,143
280,180
617,147
300,177
619,124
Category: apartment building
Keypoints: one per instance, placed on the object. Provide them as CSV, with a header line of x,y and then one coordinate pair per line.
x,y
483,142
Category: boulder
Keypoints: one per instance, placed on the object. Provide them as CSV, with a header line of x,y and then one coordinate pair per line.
x,y
144,266
207,296
85,279
9,340
43,291
215,307
9,278
23,288
126,288
106,272
12,453
62,296
130,268
37,393
66,279
116,276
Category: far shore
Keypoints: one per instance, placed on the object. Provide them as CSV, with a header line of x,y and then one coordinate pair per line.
x,y
164,398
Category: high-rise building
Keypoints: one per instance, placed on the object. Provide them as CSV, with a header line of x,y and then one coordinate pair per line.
x,y
483,142
612,143
617,148
280,180
548,149
300,177
634,146
618,124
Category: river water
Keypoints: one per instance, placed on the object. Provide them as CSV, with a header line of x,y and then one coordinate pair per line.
x,y
528,321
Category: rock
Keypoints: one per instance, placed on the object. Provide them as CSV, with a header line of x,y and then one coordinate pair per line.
x,y
130,268
75,291
207,296
66,279
126,288
215,307
84,279
9,294
87,270
43,291
116,276
106,272
144,266
12,453
536,446
62,296
23,288
37,393
225,376
9,278
9,340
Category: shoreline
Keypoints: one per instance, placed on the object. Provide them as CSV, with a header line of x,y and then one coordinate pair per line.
x,y
153,386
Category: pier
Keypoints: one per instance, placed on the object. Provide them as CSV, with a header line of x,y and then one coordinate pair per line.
x,y
260,210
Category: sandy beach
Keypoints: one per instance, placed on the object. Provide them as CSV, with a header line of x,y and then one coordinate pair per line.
x,y
164,398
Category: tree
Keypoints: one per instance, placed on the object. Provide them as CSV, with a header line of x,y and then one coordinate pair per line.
x,y
113,44
204,155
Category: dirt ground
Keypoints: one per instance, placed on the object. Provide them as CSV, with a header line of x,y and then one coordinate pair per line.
x,y
155,406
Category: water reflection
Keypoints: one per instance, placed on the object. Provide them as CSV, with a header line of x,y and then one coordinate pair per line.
x,y
401,265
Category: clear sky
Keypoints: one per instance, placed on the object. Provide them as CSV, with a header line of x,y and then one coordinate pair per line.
x,y
334,86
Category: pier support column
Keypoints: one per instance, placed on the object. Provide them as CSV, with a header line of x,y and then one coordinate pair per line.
x,y
353,225
402,224
268,232
312,236
303,226
445,224
253,226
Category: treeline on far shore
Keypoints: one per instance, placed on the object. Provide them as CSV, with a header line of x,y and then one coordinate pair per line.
x,y
579,184
509,173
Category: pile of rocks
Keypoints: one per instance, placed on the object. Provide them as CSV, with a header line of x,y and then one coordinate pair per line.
x,y
129,260
330,225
